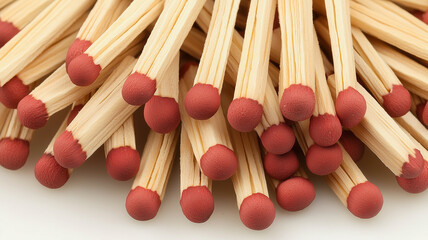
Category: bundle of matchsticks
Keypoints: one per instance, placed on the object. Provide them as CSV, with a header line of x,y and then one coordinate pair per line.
x,y
261,92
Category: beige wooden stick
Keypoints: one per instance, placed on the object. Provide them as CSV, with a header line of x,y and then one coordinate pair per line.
x,y
4,112
149,186
21,12
275,50
421,5
4,3
413,126
163,44
38,35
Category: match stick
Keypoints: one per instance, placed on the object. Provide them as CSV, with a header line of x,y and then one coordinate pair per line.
x,y
101,16
246,110
38,35
17,15
319,160
196,201
353,146
148,189
421,5
296,93
256,210
123,159
419,108
361,197
14,142
4,112
275,50
325,127
386,139
161,112
350,105
86,68
415,128
58,92
4,3
47,171
162,46
105,112
411,73
209,138
387,88
203,99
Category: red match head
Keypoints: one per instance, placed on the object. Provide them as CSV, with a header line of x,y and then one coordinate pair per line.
x,y
365,200
244,114
350,107
32,113
13,153
138,89
414,166
325,129
295,194
13,92
278,139
68,151
197,203
162,114
415,185
323,160
281,166
297,102
219,163
123,163
257,212
425,115
76,109
82,70
420,108
352,145
77,48
398,102
142,204
7,32
49,173
202,101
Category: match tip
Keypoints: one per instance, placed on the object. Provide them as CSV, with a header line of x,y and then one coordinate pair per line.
x,y
415,185
138,89
68,151
323,160
257,212
162,114
278,139
49,173
202,101
365,200
123,163
219,163
32,113
77,48
420,108
142,204
73,113
425,115
398,102
13,92
83,71
414,166
350,107
281,167
13,153
295,194
297,102
352,145
325,129
244,114
197,203
7,32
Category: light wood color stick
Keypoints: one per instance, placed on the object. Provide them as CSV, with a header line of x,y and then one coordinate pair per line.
x,y
246,110
421,5
386,139
149,185
209,138
4,3
130,24
162,46
38,35
419,108
415,128
57,92
275,50
297,79
4,112
196,200
203,99
21,12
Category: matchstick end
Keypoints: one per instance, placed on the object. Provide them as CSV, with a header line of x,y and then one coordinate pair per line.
x,y
414,166
77,48
278,139
219,163
76,109
297,102
282,166
138,89
142,204
398,102
32,112
425,115
202,101
13,153
350,107
197,203
365,200
352,145
244,114
162,114
68,152
49,173
13,92
7,32
123,163
415,185
325,129
257,211
83,71
295,194
324,160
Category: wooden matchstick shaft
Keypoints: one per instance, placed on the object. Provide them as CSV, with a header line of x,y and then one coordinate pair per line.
x,y
21,12
421,5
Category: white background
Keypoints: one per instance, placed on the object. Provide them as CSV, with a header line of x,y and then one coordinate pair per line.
x,y
92,206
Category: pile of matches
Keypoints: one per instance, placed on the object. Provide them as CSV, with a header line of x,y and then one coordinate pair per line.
x,y
256,85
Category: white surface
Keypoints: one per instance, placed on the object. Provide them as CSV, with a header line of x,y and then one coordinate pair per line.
x,y
92,206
